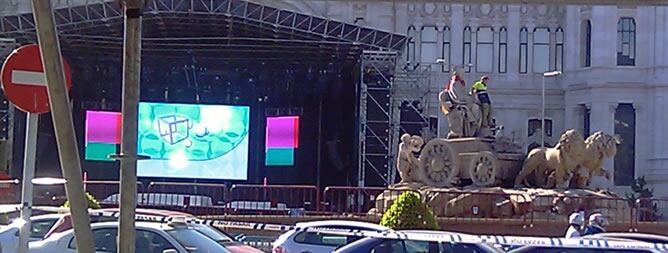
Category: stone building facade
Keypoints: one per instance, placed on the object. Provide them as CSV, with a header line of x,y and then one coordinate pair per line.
x,y
613,61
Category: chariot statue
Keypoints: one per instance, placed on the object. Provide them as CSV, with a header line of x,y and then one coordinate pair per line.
x,y
474,153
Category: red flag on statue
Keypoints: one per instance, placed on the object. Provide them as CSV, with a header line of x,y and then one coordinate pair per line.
x,y
455,78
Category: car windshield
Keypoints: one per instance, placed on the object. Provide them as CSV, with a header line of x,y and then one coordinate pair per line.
x,y
212,233
196,242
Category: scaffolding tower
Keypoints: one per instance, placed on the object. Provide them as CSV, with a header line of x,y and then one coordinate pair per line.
x,y
391,102
6,112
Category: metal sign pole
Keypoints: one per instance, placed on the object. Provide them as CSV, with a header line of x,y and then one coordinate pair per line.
x,y
61,112
128,156
28,174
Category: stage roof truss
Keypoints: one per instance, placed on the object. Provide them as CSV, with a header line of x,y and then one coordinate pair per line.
x,y
223,18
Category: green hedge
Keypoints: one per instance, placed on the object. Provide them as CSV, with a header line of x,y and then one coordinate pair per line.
x,y
409,212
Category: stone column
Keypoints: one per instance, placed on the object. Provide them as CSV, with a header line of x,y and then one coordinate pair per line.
x,y
657,174
530,28
513,44
603,32
572,40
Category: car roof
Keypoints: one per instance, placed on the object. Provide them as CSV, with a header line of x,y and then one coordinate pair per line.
x,y
47,216
341,223
633,236
432,232
138,224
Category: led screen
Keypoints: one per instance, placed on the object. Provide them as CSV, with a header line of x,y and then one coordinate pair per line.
x,y
103,135
193,141
281,141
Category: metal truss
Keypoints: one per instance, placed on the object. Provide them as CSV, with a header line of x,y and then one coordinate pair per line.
x,y
6,112
104,18
410,104
376,157
6,118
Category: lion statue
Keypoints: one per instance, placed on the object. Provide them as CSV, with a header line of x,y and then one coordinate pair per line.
x,y
553,167
407,163
599,147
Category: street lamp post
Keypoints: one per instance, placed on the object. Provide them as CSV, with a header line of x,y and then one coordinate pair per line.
x,y
542,114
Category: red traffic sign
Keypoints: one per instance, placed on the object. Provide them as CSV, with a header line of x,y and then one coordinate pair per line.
x,y
24,81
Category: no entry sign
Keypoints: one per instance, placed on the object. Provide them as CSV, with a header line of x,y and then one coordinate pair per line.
x,y
24,81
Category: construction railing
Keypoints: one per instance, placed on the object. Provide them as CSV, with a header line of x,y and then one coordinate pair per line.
x,y
466,205
357,200
273,199
106,192
195,198
204,199
10,191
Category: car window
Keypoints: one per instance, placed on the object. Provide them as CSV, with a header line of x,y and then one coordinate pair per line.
x,y
195,242
389,246
151,242
462,248
41,227
421,247
323,239
105,240
576,250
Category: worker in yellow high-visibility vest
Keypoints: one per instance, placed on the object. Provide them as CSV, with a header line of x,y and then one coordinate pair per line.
x,y
479,89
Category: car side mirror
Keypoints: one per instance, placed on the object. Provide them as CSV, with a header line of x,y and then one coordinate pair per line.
x,y
170,251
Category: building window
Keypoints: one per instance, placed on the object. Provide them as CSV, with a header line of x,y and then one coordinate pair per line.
x,y
586,121
559,50
484,50
524,45
503,50
534,127
467,49
410,46
587,44
626,42
541,50
445,54
428,45
625,128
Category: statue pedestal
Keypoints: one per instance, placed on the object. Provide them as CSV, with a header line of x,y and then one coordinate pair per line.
x,y
495,202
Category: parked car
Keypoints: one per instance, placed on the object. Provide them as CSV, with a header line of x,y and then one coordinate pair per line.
x,y
65,223
531,249
39,227
651,238
298,241
219,236
384,245
576,248
151,237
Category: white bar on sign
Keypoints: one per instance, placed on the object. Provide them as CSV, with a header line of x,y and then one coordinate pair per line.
x,y
22,77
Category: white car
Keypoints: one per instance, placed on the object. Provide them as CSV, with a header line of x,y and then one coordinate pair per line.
x,y
295,241
151,237
39,227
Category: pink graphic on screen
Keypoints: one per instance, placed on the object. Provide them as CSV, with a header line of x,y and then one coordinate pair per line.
x,y
282,132
103,127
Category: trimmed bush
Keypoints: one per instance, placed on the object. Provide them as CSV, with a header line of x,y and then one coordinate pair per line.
x,y
409,212
92,202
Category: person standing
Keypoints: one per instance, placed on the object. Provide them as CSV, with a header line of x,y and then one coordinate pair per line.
x,y
575,224
479,89
597,224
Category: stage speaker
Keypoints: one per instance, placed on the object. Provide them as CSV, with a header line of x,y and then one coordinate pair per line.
x,y
333,150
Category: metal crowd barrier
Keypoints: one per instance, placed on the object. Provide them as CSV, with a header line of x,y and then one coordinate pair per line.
x,y
273,199
450,205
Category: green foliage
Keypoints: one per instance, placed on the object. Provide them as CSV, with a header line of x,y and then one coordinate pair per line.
x,y
409,212
92,202
641,199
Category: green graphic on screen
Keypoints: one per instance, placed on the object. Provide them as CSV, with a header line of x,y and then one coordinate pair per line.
x,y
193,141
